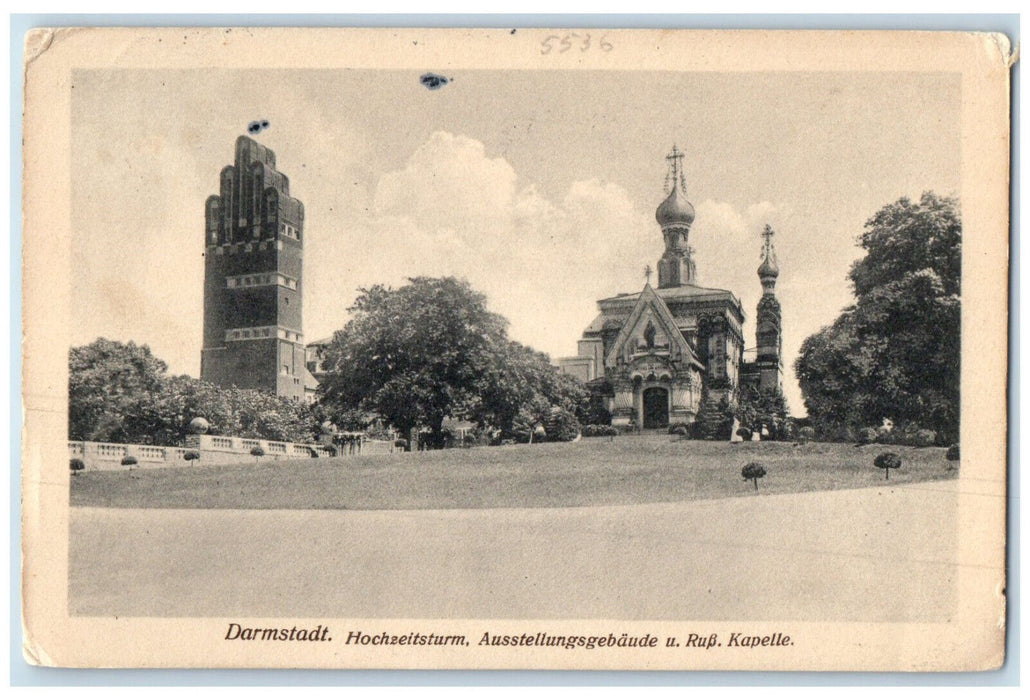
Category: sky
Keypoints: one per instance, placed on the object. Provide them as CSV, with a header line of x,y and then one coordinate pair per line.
x,y
538,187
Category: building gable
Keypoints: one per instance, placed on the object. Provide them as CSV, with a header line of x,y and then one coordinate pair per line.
x,y
650,326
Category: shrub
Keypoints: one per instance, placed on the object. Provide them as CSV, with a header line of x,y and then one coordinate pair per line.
x,y
313,452
790,430
599,431
77,465
806,434
867,436
887,461
129,461
562,426
679,429
952,453
884,436
191,455
753,471
744,434
714,420
258,452
401,443
912,434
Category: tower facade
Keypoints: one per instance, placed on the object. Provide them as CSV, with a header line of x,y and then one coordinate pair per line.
x,y
253,278
769,361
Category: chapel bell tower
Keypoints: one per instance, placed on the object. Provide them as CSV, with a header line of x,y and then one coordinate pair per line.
x,y
770,334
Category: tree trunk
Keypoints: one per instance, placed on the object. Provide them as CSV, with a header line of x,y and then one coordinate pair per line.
x,y
756,483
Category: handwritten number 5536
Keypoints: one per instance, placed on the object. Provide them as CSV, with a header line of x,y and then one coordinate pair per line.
x,y
567,41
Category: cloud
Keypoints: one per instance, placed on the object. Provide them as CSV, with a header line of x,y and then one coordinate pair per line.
x,y
543,262
454,210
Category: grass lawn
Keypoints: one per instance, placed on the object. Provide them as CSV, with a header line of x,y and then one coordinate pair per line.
x,y
595,471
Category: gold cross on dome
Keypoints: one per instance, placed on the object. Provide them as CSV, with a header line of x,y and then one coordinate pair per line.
x,y
647,273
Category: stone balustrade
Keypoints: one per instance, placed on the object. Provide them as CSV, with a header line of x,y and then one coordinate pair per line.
x,y
213,449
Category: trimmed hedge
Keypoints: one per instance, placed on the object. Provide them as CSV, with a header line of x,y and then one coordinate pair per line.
x,y
129,461
952,453
599,431
77,465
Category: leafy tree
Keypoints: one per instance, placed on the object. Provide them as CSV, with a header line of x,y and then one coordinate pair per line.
x,y
756,408
886,462
562,425
120,392
753,471
431,350
257,452
77,465
413,355
895,353
110,390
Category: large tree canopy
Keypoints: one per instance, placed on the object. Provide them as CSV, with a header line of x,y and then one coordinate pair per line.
x,y
109,388
896,353
120,392
431,349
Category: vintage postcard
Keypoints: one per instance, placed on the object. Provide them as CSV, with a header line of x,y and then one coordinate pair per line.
x,y
515,348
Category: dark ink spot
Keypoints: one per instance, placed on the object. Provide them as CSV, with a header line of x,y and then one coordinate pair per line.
x,y
512,31
433,81
256,126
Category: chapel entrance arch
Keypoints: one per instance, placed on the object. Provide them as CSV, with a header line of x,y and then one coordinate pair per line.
x,y
656,407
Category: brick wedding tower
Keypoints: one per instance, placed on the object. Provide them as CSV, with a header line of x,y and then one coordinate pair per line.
x,y
253,282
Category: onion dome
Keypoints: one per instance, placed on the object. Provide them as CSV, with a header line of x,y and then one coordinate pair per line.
x,y
769,268
675,210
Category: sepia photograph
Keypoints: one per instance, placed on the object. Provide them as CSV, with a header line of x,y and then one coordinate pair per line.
x,y
515,349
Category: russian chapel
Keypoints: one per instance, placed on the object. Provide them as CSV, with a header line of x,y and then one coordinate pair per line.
x,y
651,355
